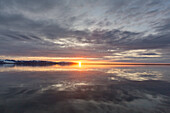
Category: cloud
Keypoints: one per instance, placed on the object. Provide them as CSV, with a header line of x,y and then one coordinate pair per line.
x,y
77,28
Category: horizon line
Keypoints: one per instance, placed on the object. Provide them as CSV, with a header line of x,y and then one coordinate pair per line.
x,y
122,63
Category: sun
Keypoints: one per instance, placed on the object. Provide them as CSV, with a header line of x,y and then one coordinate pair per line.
x,y
79,64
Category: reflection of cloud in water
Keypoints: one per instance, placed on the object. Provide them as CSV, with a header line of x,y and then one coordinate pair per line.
x,y
136,75
123,90
66,86
121,97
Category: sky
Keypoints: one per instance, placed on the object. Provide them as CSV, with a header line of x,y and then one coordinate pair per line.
x,y
112,30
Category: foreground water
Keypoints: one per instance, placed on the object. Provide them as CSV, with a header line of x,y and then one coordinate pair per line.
x,y
85,89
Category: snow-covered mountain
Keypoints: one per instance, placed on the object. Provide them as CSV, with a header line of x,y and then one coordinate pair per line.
x,y
33,62
6,61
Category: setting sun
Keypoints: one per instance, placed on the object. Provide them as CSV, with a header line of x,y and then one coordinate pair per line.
x,y
79,64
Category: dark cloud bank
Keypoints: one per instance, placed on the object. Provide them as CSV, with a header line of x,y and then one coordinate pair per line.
x,y
137,30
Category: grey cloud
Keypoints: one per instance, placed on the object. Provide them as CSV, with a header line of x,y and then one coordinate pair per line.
x,y
164,26
19,23
149,54
31,5
119,25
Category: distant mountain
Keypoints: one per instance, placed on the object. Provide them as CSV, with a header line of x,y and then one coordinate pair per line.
x,y
33,62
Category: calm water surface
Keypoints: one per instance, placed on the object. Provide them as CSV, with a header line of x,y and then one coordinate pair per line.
x,y
84,89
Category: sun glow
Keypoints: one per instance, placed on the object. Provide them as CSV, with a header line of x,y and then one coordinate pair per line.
x,y
79,64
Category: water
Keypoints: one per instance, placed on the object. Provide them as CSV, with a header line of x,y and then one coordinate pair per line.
x,y
84,89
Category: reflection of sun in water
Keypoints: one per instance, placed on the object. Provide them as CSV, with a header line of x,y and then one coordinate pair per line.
x,y
79,64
